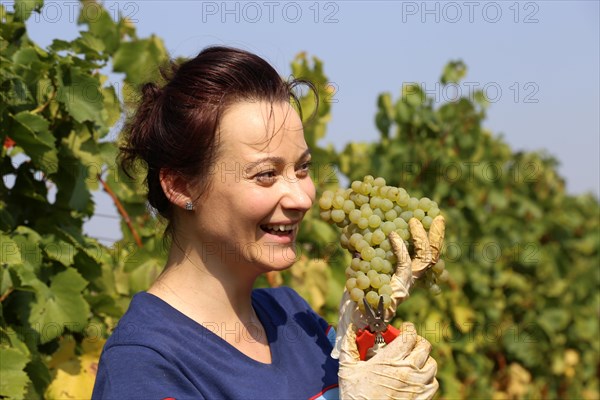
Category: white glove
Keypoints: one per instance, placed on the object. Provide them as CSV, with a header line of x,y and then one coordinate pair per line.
x,y
400,370
427,253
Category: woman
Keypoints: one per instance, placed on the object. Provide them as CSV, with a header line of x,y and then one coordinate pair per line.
x,y
228,167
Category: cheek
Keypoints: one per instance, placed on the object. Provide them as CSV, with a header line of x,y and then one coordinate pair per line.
x,y
310,190
256,203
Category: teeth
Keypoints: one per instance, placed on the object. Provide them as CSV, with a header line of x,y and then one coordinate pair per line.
x,y
281,228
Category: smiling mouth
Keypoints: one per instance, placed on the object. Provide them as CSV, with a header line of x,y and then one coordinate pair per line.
x,y
278,229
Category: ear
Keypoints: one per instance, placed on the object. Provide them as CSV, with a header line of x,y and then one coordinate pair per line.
x,y
175,187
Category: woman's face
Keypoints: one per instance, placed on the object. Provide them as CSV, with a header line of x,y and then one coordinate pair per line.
x,y
260,188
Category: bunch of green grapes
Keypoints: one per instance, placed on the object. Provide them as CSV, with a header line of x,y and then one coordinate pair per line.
x,y
367,212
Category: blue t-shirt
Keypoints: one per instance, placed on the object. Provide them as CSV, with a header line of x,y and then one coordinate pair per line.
x,y
156,352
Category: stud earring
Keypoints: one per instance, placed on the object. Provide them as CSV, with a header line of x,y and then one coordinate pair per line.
x,y
189,206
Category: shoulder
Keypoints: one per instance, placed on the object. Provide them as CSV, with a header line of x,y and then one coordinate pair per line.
x,y
278,294
133,371
282,299
149,322
284,304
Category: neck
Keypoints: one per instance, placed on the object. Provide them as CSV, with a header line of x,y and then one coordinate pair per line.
x,y
206,287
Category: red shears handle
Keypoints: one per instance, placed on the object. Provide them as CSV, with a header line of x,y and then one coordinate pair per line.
x,y
365,339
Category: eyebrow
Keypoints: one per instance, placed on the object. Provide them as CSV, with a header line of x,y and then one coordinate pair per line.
x,y
275,160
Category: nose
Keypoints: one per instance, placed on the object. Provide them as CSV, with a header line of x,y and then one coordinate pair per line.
x,y
299,194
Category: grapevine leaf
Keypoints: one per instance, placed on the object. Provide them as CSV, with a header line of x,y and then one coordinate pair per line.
x,y
14,379
112,107
10,251
30,131
453,72
138,59
75,375
80,93
58,250
553,320
61,306
24,8
100,24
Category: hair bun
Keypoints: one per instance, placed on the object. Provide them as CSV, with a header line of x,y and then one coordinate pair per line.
x,y
151,91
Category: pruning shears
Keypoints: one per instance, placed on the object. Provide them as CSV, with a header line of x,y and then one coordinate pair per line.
x,y
378,330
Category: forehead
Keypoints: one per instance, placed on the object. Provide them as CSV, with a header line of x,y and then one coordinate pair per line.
x,y
252,127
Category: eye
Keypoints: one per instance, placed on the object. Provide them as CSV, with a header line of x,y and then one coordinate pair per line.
x,y
304,168
266,177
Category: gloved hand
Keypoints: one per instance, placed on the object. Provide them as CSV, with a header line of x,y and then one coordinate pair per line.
x,y
427,253
400,370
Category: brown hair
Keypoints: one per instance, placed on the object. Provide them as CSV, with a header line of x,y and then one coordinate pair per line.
x,y
175,126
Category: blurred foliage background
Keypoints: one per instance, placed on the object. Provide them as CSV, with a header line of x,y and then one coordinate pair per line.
x,y
518,320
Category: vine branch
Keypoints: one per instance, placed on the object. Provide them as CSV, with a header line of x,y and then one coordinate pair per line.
x,y
122,211
5,294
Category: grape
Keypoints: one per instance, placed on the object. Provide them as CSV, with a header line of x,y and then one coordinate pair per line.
x,y
433,212
435,289
400,223
438,268
363,282
372,298
378,237
426,221
444,276
357,295
379,181
376,282
424,203
413,203
338,202
325,202
404,234
381,253
375,202
362,222
348,206
391,215
367,253
338,215
387,227
377,263
406,215
368,212
419,214
374,221
354,215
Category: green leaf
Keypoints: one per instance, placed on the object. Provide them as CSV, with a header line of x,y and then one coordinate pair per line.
x,y
100,24
80,93
24,8
138,59
112,107
554,320
58,250
30,131
61,306
14,379
454,71
10,252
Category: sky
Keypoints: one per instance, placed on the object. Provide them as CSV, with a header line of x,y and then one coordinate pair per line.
x,y
538,61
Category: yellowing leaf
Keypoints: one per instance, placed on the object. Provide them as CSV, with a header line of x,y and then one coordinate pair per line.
x,y
463,317
309,278
74,375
